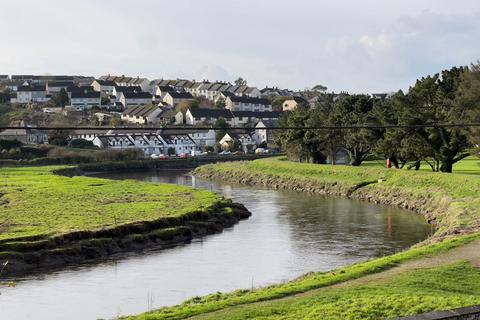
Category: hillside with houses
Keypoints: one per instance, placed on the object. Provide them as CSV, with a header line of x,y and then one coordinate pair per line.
x,y
245,114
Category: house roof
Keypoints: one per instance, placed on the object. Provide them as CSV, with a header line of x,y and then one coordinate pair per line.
x,y
267,124
85,95
32,88
79,88
128,89
21,132
166,88
107,83
297,99
137,95
211,113
170,137
60,84
140,111
82,132
250,100
180,95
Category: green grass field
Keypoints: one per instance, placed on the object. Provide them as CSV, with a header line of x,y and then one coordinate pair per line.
x,y
343,293
36,202
470,165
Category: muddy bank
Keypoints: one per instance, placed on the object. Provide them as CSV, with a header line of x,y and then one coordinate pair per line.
x,y
436,210
43,254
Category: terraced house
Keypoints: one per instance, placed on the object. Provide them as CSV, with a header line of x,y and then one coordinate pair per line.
x,y
174,98
142,114
235,103
149,143
33,93
135,98
85,99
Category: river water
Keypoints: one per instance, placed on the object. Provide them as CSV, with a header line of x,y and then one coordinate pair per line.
x,y
289,234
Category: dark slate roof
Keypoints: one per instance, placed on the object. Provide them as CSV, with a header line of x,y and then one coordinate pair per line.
x,y
298,99
31,88
211,113
170,137
60,84
85,95
106,83
137,95
128,89
140,111
79,88
166,88
180,95
250,100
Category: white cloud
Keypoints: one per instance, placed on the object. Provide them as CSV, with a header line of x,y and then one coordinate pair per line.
x,y
345,44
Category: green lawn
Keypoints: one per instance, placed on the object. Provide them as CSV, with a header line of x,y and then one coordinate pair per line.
x,y
36,202
416,291
470,165
452,200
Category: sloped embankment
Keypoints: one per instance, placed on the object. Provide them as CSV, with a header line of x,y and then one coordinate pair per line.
x,y
449,202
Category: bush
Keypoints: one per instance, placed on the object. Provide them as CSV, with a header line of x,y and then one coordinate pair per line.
x,y
10,144
81,143
119,155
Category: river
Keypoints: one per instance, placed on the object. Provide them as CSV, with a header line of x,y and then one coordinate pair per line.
x,y
289,234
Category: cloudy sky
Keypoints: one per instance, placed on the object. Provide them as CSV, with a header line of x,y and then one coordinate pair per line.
x,y
352,45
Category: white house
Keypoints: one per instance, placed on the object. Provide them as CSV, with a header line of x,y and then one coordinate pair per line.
x,y
34,93
170,116
27,136
135,98
149,143
128,81
235,103
201,137
264,132
208,116
244,139
53,87
117,91
89,135
293,102
162,91
104,86
85,99
173,98
241,118
142,114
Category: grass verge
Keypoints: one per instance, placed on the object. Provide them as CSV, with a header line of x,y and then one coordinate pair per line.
x,y
451,202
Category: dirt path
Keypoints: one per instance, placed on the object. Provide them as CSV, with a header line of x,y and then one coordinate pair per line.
x,y
469,253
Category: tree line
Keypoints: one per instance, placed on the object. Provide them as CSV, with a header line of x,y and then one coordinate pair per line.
x,y
449,97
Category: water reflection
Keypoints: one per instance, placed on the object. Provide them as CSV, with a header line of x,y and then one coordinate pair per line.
x,y
288,235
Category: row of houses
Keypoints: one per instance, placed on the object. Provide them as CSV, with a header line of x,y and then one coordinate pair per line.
x,y
154,114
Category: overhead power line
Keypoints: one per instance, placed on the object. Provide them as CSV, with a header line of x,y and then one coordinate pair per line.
x,y
347,127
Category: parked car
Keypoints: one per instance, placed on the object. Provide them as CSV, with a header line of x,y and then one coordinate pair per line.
x,y
261,151
184,155
158,156
197,153
225,153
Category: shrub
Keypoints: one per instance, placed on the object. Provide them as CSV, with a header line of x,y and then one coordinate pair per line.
x,y
10,144
81,143
119,155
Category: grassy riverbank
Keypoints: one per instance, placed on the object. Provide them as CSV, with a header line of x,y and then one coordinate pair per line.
x,y
438,274
36,202
49,220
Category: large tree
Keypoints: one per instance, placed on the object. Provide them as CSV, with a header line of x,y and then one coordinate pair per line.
x,y
61,99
